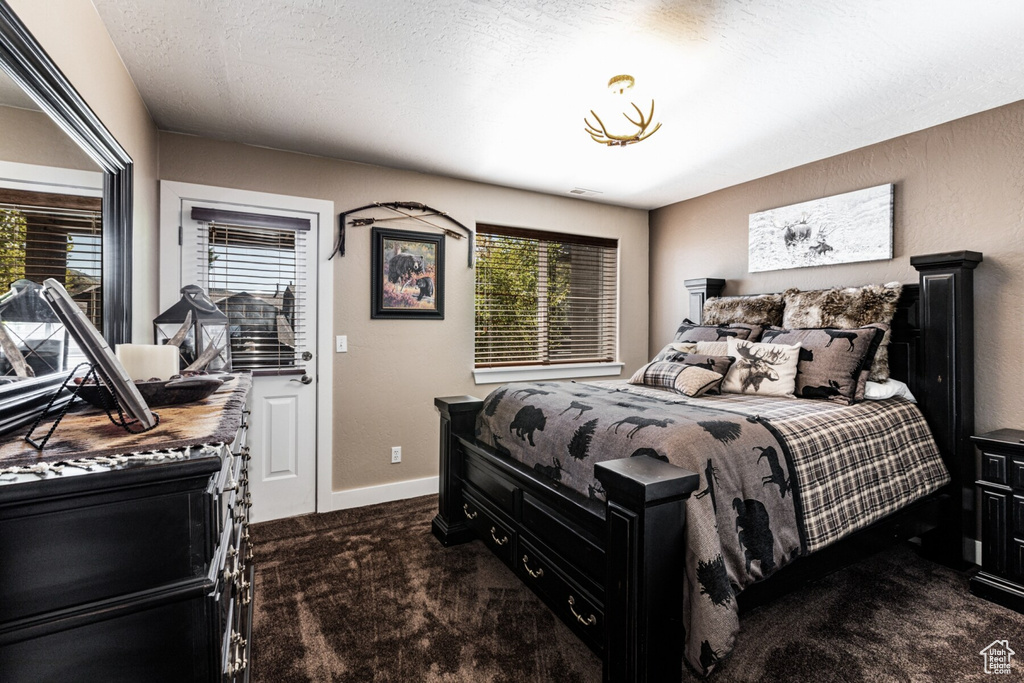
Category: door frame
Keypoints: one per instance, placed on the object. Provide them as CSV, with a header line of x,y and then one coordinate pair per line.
x,y
172,194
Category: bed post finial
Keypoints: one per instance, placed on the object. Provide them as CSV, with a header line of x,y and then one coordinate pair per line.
x,y
645,548
946,386
700,290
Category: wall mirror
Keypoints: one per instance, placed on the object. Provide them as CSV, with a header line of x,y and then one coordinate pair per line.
x,y
65,212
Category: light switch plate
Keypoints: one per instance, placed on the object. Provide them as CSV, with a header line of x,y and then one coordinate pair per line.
x,y
341,343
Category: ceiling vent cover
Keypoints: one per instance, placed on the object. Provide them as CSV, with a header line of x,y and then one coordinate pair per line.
x,y
584,192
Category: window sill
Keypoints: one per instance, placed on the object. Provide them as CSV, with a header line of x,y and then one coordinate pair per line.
x,y
529,373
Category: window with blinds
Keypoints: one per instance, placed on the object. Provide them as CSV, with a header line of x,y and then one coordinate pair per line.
x,y
257,276
544,298
45,235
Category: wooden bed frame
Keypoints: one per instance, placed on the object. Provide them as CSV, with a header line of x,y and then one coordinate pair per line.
x,y
612,571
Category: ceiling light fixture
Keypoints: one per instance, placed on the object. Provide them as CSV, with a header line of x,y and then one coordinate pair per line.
x,y
620,84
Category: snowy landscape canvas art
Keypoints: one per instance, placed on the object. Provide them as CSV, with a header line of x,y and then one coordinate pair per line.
x,y
844,228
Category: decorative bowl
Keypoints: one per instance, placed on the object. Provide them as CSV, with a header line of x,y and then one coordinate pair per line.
x,y
157,392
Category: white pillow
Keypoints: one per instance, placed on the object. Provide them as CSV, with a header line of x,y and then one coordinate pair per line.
x,y
762,369
877,391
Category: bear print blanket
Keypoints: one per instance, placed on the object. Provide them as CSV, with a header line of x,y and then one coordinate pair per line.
x,y
747,518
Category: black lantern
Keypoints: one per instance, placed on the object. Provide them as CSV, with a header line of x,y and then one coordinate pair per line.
x,y
199,329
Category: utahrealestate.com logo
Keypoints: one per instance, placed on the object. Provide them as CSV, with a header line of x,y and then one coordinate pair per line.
x,y
997,657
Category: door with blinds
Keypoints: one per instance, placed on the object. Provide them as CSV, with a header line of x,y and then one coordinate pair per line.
x,y
259,266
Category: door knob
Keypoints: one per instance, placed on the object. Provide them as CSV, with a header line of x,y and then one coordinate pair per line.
x,y
305,379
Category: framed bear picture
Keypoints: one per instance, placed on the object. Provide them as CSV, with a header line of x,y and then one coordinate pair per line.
x,y
406,275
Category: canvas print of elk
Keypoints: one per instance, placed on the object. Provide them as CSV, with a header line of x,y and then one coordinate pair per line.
x,y
844,228
407,274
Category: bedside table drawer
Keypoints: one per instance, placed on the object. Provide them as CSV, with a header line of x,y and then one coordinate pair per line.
x,y
993,467
1017,473
1017,515
1017,557
994,530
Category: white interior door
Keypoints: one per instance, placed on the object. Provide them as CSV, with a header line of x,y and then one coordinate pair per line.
x,y
265,279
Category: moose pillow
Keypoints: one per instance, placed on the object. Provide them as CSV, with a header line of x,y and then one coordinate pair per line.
x,y
762,369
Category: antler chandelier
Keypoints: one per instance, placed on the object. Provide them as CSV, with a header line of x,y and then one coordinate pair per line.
x,y
600,134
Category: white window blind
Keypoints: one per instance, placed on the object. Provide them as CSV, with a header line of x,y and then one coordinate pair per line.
x,y
544,298
46,235
257,276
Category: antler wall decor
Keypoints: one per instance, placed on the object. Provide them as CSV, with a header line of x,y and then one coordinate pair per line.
x,y
402,209
600,134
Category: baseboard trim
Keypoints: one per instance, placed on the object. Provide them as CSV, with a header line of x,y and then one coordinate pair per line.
x,y
384,493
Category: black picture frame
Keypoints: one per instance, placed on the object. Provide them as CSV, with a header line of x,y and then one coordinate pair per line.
x,y
415,299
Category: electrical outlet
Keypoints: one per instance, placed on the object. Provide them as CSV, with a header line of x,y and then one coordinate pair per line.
x,y
396,454
341,343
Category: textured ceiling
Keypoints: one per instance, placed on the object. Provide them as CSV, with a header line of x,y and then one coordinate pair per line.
x,y
496,90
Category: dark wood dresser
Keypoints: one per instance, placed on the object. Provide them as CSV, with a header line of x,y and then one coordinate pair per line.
x,y
137,571
1001,490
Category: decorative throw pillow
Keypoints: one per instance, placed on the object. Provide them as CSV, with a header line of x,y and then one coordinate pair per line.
x,y
762,369
715,348
759,309
834,364
690,380
879,391
692,332
847,308
674,349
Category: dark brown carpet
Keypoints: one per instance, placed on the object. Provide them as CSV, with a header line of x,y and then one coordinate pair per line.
x,y
369,595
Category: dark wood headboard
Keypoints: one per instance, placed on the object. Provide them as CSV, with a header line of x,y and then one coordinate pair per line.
x,y
932,350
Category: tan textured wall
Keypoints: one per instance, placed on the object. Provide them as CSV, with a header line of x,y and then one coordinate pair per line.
x,y
73,35
958,186
385,385
31,137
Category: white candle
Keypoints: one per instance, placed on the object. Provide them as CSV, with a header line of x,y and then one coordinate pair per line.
x,y
144,361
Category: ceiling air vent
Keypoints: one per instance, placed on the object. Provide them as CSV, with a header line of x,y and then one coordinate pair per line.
x,y
584,192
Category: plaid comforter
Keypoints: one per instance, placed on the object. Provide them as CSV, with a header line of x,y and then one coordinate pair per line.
x,y
779,478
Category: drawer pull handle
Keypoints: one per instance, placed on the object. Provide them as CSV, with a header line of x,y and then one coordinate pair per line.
x,y
465,511
494,535
534,574
589,621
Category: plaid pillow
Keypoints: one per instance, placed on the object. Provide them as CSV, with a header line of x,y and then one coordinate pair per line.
x,y
690,380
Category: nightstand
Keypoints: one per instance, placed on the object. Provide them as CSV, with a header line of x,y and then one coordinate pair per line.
x,y
1001,492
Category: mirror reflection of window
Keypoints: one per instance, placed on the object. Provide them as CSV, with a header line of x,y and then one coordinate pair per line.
x,y
50,226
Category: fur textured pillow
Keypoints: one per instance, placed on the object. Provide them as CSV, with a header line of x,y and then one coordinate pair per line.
x,y
834,364
846,309
690,331
762,369
690,380
759,309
